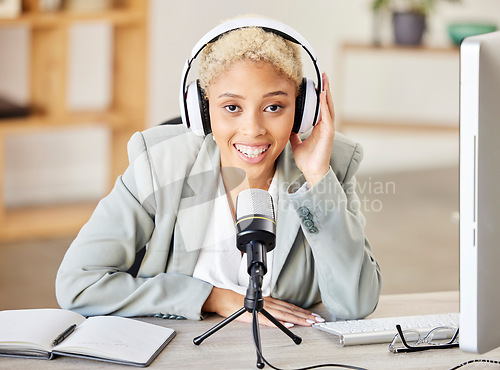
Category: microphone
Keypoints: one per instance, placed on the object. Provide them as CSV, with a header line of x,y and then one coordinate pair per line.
x,y
255,228
256,235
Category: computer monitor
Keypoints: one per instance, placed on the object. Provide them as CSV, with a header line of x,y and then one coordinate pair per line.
x,y
480,193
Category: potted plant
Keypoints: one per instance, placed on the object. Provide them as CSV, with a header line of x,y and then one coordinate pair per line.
x,y
408,17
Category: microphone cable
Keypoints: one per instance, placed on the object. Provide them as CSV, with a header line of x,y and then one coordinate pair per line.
x,y
255,327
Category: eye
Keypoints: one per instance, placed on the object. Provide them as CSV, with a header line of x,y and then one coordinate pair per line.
x,y
273,108
232,108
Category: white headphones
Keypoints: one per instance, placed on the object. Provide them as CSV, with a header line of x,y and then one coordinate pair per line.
x,y
194,106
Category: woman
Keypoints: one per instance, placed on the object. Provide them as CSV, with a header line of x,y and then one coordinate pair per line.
x,y
177,198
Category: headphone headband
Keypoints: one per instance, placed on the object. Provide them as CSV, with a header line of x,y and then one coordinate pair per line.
x,y
268,25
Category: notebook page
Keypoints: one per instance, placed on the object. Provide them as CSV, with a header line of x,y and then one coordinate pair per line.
x,y
37,327
116,338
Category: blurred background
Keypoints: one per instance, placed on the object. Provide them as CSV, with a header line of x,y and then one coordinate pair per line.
x,y
77,78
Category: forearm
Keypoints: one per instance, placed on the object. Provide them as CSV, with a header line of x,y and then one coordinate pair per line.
x,y
348,276
93,278
119,293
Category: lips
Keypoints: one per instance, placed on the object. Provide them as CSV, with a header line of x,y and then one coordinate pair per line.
x,y
251,151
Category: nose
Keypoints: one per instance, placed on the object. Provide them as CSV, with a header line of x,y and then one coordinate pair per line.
x,y
253,125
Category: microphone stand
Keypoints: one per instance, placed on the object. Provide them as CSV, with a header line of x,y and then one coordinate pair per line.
x,y
253,303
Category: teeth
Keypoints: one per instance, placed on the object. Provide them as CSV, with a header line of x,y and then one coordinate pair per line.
x,y
251,152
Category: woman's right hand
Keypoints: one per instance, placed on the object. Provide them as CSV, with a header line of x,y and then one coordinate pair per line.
x,y
225,302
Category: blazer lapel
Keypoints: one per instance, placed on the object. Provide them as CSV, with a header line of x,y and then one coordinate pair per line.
x,y
195,207
287,220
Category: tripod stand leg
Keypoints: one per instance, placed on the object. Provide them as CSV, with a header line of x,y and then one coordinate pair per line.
x,y
296,339
220,325
256,336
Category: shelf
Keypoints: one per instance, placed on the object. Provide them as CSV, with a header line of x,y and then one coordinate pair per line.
x,y
398,87
45,221
398,125
49,48
114,16
111,119
399,48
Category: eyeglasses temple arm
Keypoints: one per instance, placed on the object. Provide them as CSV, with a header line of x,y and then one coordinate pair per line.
x,y
422,348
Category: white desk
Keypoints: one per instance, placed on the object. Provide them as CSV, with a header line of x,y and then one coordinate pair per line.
x,y
232,347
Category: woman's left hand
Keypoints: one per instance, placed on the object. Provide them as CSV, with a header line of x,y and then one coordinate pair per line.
x,y
312,155
225,302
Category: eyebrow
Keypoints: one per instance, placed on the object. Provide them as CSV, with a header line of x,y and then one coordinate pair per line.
x,y
231,95
275,93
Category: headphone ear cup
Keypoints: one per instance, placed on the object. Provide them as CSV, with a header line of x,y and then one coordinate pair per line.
x,y
198,116
306,107
299,106
204,110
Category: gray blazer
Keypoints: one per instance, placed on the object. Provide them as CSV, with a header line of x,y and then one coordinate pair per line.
x,y
163,201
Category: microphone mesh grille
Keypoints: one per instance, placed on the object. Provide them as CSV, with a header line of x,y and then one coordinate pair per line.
x,y
254,201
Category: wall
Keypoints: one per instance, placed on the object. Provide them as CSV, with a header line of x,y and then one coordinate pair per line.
x,y
324,23
175,27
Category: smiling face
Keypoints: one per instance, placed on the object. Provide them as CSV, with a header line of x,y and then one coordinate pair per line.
x,y
252,108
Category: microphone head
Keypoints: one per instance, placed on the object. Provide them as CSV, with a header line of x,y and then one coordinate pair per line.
x,y
254,202
255,223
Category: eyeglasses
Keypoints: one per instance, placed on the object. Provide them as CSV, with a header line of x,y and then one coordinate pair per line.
x,y
412,341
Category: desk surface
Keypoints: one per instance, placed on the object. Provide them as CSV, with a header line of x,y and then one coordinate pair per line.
x,y
232,346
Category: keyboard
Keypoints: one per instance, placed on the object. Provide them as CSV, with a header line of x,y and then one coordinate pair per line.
x,y
383,330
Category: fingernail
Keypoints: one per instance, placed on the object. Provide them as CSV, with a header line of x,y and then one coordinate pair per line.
x,y
311,321
317,317
289,325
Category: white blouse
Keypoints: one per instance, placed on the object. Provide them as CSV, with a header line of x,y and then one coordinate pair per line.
x,y
220,262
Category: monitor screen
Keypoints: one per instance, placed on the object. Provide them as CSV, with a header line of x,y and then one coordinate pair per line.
x,y
480,193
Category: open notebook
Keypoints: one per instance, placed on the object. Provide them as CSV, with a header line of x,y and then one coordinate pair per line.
x,y
31,333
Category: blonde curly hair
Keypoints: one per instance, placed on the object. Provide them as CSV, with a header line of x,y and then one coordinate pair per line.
x,y
253,43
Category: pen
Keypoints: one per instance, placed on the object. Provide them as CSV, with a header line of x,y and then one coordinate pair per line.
x,y
64,335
